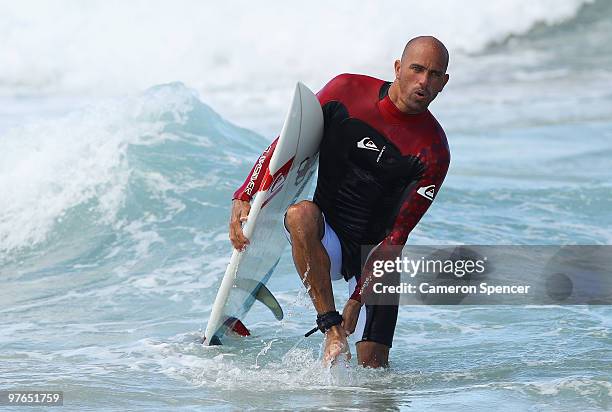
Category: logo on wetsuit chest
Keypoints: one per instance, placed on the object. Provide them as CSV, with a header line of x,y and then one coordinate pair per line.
x,y
368,144
427,192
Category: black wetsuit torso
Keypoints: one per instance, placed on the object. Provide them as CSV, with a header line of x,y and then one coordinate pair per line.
x,y
371,157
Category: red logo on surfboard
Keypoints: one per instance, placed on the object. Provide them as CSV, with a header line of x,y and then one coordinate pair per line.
x,y
276,182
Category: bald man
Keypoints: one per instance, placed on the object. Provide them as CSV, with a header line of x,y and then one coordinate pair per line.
x,y
382,160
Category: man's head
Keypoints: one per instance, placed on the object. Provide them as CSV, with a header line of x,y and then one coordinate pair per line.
x,y
420,74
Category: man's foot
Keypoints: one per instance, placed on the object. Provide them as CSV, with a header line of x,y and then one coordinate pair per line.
x,y
335,344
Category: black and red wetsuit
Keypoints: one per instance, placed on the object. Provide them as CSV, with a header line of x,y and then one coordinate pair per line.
x,y
379,168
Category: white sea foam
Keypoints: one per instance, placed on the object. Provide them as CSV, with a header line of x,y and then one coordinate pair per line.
x,y
49,167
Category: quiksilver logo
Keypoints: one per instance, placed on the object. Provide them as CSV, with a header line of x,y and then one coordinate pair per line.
x,y
256,170
367,143
428,192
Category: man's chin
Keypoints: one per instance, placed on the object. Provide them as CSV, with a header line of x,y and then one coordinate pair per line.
x,y
418,107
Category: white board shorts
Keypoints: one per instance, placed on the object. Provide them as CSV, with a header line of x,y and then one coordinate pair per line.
x,y
331,243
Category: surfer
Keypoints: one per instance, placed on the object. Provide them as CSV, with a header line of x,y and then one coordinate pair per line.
x,y
382,160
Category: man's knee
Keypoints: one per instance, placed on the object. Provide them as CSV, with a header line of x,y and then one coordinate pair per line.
x,y
304,217
372,354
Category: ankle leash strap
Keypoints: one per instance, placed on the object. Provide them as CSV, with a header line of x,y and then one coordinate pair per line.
x,y
325,322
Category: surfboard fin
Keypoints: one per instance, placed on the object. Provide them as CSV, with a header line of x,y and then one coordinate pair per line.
x,y
261,293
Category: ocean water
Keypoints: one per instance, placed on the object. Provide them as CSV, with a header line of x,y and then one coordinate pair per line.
x,y
125,127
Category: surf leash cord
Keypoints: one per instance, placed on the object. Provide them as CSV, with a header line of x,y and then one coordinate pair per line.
x,y
325,321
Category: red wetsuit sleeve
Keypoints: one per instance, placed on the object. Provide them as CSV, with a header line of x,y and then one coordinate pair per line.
x,y
253,181
333,89
414,206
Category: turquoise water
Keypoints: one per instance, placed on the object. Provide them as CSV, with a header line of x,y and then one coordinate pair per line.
x,y
113,239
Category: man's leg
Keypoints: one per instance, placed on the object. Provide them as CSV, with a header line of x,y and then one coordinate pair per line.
x,y
305,224
372,354
374,331
376,337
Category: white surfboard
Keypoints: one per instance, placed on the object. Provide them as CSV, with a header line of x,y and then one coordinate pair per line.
x,y
292,165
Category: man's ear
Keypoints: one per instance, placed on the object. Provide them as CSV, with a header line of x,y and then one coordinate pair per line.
x,y
446,77
397,65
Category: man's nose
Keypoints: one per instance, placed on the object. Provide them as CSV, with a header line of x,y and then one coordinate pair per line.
x,y
424,79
